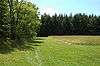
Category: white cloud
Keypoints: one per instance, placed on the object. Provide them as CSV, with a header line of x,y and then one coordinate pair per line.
x,y
48,10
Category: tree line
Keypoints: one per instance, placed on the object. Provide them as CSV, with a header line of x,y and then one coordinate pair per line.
x,y
78,24
19,22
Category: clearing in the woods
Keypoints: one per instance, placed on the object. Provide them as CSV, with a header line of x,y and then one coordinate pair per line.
x,y
56,51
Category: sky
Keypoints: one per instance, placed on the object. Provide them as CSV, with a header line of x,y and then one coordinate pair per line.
x,y
68,6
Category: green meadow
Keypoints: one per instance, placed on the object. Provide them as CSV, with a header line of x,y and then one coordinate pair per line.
x,y
56,51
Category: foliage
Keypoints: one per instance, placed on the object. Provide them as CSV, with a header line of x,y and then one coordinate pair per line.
x,y
78,24
19,21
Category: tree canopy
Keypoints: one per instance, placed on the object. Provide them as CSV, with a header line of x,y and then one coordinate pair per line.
x,y
78,24
19,21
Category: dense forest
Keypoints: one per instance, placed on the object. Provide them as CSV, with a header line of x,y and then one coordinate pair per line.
x,y
78,24
19,22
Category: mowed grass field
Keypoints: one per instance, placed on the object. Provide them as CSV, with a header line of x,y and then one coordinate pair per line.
x,y
56,51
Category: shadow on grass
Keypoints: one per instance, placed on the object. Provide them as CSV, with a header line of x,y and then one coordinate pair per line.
x,y
40,38
30,45
6,49
37,41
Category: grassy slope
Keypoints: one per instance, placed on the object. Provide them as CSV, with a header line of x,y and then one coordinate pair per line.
x,y
57,51
18,58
